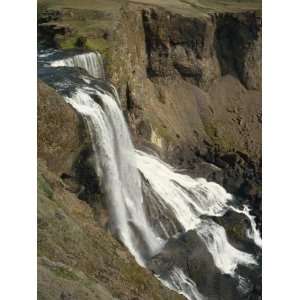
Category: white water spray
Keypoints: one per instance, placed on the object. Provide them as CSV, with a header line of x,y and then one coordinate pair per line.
x,y
225,256
190,198
186,197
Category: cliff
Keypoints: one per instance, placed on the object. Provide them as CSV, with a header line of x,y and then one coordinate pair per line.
x,y
189,78
192,91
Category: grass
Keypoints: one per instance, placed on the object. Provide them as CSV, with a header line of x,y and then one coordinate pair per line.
x,y
86,252
102,5
94,18
44,187
91,19
202,7
65,273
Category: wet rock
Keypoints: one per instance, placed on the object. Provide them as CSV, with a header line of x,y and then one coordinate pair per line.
x,y
236,226
190,253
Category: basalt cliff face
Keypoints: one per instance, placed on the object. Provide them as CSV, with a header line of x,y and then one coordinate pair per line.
x,y
190,88
192,91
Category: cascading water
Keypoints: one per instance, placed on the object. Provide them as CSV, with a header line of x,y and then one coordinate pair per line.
x,y
190,198
92,62
186,197
225,256
178,200
183,285
115,161
253,233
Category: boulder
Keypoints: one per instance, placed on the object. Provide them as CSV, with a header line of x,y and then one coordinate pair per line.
x,y
61,133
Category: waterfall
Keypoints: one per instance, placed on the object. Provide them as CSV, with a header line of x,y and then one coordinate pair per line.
x,y
181,284
115,160
225,256
186,197
253,234
178,202
92,62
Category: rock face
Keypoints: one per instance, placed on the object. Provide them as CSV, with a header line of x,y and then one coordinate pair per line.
x,y
65,146
61,132
175,66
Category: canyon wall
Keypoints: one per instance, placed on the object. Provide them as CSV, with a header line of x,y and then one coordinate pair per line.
x,y
191,89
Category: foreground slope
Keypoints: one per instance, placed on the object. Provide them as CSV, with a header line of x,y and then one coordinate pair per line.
x,y
77,257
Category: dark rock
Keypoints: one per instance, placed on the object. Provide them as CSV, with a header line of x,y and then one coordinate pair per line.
x,y
248,189
230,158
238,42
189,253
66,296
81,42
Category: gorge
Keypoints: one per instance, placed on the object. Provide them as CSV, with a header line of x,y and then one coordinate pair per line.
x,y
194,236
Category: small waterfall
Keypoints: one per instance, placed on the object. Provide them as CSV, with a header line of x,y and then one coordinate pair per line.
x,y
225,256
254,233
92,62
180,283
179,201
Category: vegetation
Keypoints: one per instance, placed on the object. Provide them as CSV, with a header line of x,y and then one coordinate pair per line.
x,y
94,20
196,7
76,253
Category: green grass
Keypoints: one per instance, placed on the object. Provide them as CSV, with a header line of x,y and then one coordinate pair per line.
x,y
93,18
102,5
67,43
90,19
65,273
44,187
